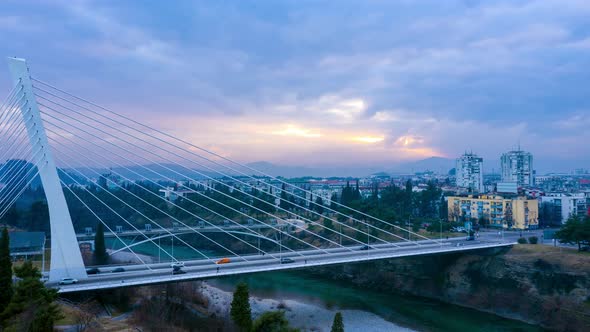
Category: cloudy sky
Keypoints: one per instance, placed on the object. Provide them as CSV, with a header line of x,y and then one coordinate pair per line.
x,y
319,83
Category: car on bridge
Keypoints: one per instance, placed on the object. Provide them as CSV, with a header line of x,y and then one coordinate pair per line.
x,y
223,261
68,281
178,271
118,270
366,247
92,270
287,260
177,264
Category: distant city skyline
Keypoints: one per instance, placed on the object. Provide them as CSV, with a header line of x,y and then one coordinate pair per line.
x,y
346,84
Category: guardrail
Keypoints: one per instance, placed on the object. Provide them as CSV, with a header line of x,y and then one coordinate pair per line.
x,y
368,255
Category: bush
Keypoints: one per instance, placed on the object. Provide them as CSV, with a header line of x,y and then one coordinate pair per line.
x,y
522,240
533,240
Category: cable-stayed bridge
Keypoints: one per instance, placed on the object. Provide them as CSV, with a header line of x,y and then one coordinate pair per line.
x,y
66,141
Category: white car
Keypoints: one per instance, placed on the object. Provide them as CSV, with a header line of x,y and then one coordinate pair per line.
x,y
68,281
177,264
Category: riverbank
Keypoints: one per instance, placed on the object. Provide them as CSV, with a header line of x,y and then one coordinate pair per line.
x,y
536,284
304,316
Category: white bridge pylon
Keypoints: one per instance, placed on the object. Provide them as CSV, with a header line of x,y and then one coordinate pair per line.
x,y
66,259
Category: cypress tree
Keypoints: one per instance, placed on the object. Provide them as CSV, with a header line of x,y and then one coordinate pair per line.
x,y
284,204
356,194
333,201
32,306
319,205
337,325
5,270
100,252
347,195
240,308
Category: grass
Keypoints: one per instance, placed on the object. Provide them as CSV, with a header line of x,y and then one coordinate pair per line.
x,y
569,258
69,314
36,260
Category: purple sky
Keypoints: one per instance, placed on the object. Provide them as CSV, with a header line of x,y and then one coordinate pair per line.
x,y
356,83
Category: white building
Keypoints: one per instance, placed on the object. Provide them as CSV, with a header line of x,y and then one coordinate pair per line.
x,y
517,166
469,172
565,205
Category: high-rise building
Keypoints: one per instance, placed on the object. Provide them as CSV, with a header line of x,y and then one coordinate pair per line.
x,y
469,172
517,166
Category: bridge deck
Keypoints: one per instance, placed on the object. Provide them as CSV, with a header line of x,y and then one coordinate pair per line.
x,y
136,275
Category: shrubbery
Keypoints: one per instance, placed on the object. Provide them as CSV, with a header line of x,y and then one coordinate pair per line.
x,y
533,240
522,240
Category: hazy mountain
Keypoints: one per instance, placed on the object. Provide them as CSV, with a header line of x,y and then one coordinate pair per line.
x,y
301,171
151,171
435,164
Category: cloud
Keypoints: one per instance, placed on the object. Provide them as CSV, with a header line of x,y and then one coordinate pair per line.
x,y
293,130
300,82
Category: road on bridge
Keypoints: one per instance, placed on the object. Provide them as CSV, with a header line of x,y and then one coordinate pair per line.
x,y
198,269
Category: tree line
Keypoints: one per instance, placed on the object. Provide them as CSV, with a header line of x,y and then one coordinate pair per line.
x,y
139,202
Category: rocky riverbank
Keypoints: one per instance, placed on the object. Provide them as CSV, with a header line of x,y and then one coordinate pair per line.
x,y
304,316
532,283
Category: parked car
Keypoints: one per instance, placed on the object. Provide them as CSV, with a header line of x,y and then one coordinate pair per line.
x,y
119,269
366,247
93,270
179,271
177,264
68,281
287,260
223,261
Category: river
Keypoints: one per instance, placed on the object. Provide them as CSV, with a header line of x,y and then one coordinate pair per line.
x,y
417,314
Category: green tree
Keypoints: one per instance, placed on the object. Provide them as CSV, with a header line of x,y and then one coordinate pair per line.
x,y
39,217
408,199
11,217
347,194
337,325
5,270
284,202
32,306
333,201
575,231
356,193
101,257
319,205
328,223
272,321
240,308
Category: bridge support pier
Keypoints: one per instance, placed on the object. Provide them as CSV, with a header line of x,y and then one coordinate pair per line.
x,y
66,259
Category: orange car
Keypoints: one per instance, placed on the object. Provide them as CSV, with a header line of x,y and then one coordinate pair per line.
x,y
223,261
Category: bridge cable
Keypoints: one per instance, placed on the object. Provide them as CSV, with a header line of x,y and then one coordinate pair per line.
x,y
6,105
104,223
154,207
223,174
18,178
188,199
159,197
183,175
221,157
190,189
